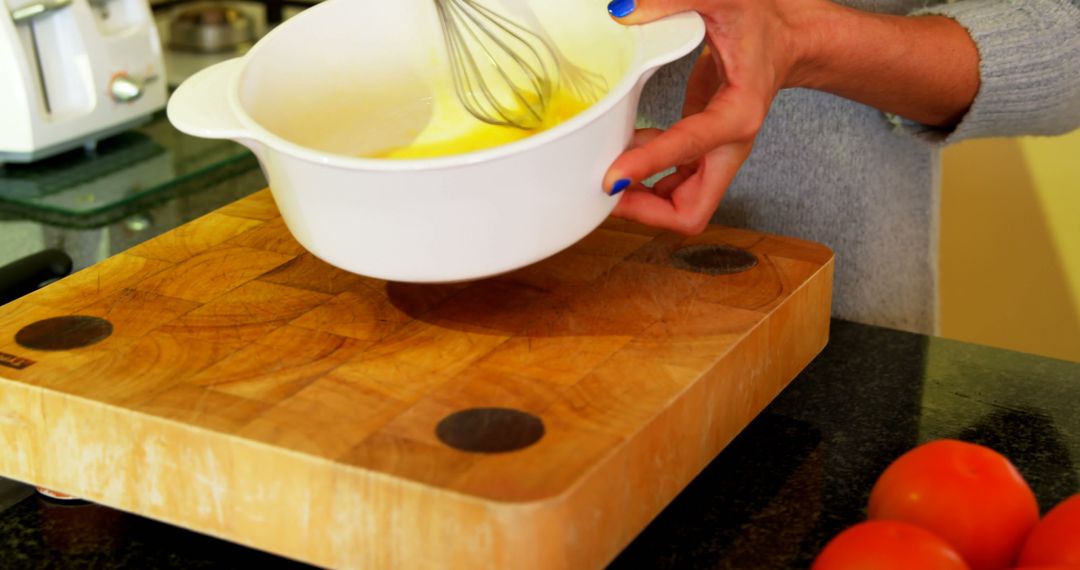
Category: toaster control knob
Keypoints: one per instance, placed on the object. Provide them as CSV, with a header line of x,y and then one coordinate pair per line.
x,y
125,88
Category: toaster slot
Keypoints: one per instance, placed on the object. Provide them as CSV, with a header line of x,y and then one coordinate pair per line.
x,y
53,44
31,47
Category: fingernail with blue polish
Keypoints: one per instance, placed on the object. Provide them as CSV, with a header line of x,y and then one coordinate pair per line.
x,y
620,185
621,8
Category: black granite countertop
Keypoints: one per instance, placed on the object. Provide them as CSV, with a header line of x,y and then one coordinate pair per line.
x,y
800,473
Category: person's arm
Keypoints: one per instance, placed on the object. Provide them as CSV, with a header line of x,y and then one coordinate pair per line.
x,y
925,69
1029,67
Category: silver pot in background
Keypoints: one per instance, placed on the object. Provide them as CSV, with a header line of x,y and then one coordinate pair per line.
x,y
211,28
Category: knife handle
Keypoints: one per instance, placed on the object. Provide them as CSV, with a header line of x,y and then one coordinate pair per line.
x,y
32,272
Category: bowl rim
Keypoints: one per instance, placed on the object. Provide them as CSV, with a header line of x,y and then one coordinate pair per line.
x,y
256,131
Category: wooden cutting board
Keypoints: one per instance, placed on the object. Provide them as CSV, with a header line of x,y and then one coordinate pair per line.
x,y
222,379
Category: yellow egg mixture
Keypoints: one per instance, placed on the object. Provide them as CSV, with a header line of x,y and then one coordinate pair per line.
x,y
457,133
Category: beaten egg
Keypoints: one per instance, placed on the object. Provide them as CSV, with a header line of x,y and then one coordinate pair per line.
x,y
462,133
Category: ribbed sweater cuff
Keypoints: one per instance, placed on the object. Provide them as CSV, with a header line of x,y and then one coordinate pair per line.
x,y
1029,67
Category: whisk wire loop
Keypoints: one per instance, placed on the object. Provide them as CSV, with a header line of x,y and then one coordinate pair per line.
x,y
539,78
521,73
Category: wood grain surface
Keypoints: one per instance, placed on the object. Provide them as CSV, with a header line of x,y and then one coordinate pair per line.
x,y
538,419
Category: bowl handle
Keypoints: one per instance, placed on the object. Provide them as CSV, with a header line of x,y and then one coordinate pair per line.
x,y
200,106
670,38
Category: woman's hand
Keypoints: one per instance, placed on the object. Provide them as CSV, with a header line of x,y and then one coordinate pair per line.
x,y
754,50
924,68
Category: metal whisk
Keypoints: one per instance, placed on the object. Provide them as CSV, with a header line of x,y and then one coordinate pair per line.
x,y
503,73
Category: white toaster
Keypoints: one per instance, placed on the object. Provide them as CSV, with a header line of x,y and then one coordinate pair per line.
x,y
73,72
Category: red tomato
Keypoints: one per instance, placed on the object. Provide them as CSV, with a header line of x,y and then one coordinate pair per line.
x,y
1050,567
1056,539
967,494
887,545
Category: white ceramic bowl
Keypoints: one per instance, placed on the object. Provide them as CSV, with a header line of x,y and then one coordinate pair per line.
x,y
348,77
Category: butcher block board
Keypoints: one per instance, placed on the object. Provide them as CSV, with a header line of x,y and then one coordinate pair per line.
x,y
240,387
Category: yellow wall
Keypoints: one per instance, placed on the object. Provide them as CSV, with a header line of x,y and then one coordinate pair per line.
x,y
1010,244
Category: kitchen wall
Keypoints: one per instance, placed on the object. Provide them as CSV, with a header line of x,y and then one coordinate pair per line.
x,y
1010,244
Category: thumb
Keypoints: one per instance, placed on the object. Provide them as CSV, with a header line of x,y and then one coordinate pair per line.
x,y
641,11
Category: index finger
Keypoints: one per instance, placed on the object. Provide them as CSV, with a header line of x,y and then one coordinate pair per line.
x,y
724,120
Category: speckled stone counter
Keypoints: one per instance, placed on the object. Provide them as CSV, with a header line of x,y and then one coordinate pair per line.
x,y
800,473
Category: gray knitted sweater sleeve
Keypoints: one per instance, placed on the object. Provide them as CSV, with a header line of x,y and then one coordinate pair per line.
x,y
1029,68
